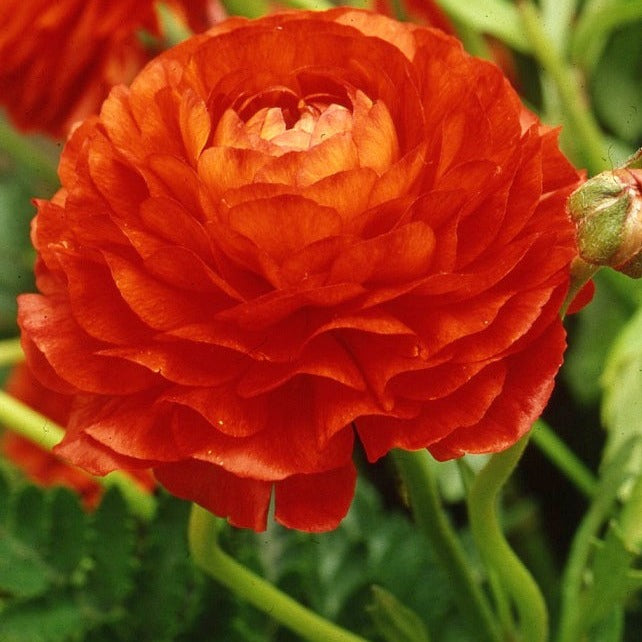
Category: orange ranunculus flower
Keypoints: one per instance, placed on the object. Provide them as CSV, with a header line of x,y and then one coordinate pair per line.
x,y
291,231
58,60
38,464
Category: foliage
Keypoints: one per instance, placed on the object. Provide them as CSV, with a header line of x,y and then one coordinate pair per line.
x,y
67,575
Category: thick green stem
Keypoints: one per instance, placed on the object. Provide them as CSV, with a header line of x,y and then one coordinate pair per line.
x,y
207,554
45,433
564,458
585,130
10,352
417,472
494,549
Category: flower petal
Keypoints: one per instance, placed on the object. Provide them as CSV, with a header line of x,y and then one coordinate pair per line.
x,y
244,502
315,503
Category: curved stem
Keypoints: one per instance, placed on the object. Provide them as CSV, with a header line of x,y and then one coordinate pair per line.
x,y
494,549
45,433
584,127
207,554
564,458
10,352
418,475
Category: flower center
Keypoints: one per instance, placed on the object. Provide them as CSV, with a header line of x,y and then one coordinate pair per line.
x,y
328,134
315,125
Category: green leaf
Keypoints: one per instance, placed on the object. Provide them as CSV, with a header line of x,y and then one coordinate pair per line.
x,y
333,572
394,621
615,84
610,629
608,578
56,620
68,544
67,576
4,500
168,586
596,23
594,331
32,526
622,381
111,577
23,572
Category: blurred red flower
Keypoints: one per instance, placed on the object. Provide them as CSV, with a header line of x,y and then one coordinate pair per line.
x,y
38,464
58,60
289,231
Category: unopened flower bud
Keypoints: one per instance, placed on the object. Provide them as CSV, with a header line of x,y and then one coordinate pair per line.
x,y
607,212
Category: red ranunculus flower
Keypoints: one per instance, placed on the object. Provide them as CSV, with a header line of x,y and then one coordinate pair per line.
x,y
38,464
58,60
293,230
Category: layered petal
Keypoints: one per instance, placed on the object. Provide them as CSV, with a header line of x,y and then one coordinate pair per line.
x,y
291,231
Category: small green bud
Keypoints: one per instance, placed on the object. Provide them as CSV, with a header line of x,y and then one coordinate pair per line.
x,y
607,212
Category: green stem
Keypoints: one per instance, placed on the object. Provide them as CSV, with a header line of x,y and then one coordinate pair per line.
x,y
10,352
207,554
474,42
416,469
585,129
497,18
314,5
28,155
596,22
581,273
45,433
564,458
558,17
494,549
28,423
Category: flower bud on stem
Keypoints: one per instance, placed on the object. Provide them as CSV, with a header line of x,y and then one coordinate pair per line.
x,y
607,212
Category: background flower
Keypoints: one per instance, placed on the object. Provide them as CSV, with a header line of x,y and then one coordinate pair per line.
x,y
38,464
291,230
58,60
